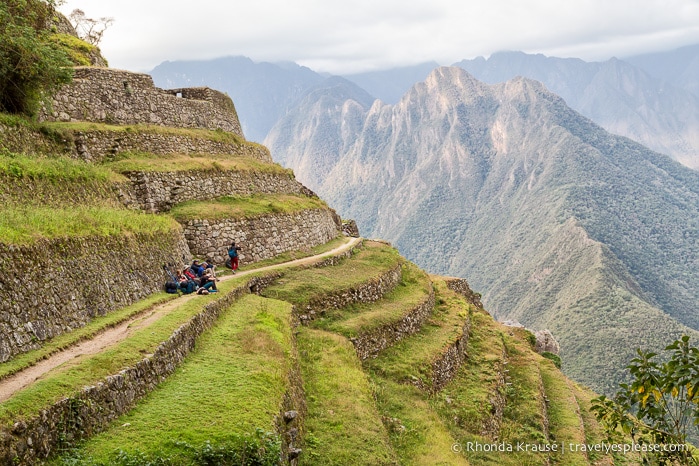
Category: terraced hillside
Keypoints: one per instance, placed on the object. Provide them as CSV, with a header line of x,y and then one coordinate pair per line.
x,y
323,350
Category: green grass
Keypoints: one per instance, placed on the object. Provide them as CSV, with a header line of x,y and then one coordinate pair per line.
x,y
232,385
26,225
416,432
58,170
412,357
303,285
244,207
565,423
87,370
355,319
140,161
83,126
95,326
78,50
343,425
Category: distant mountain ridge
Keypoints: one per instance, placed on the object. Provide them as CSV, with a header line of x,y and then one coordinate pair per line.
x,y
559,223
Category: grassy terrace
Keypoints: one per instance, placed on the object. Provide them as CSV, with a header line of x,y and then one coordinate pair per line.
x,y
356,319
65,128
464,404
227,392
417,433
301,286
565,423
230,207
92,328
140,161
26,225
54,170
87,370
412,357
343,425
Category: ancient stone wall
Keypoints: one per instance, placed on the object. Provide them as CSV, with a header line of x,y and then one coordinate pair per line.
x,y
367,292
54,286
444,367
261,237
159,191
107,95
92,409
97,145
368,345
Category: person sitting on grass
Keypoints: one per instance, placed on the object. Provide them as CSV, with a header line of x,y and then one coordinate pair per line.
x,y
208,281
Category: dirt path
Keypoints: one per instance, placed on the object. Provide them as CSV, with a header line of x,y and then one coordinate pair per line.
x,y
113,335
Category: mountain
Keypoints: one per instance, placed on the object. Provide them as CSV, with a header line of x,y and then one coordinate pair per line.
x,y
679,67
261,91
557,222
624,99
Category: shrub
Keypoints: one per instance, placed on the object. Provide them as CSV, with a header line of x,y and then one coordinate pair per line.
x,y
30,63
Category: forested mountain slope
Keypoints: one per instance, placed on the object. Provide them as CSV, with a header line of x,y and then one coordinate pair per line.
x,y
559,223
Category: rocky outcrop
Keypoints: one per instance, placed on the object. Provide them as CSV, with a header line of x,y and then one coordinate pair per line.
x,y
546,343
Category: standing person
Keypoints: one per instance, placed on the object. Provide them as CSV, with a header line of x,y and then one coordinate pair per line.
x,y
233,254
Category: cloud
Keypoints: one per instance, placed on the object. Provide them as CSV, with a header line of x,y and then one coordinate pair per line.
x,y
344,37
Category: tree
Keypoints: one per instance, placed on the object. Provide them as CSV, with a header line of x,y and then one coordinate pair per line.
x,y
30,64
659,407
90,30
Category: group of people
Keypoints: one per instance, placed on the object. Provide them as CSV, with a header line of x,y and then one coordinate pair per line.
x,y
200,277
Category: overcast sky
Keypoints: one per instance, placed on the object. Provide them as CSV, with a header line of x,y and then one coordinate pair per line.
x,y
362,35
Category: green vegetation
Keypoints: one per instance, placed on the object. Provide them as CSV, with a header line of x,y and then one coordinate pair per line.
x,y
235,380
343,425
76,49
355,319
304,285
659,406
26,225
244,207
30,63
410,360
139,161
87,370
95,326
58,170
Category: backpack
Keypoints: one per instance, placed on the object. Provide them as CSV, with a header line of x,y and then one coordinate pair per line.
x,y
170,287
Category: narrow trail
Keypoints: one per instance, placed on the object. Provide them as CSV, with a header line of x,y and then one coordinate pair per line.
x,y
120,332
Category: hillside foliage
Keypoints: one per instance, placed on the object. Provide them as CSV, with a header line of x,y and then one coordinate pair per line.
x,y
30,62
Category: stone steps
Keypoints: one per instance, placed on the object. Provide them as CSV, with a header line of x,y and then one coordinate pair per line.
x,y
372,327
430,358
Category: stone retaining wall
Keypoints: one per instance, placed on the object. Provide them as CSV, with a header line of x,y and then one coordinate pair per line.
x,y
461,286
261,237
97,145
159,191
367,292
447,363
106,95
369,345
92,409
54,286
